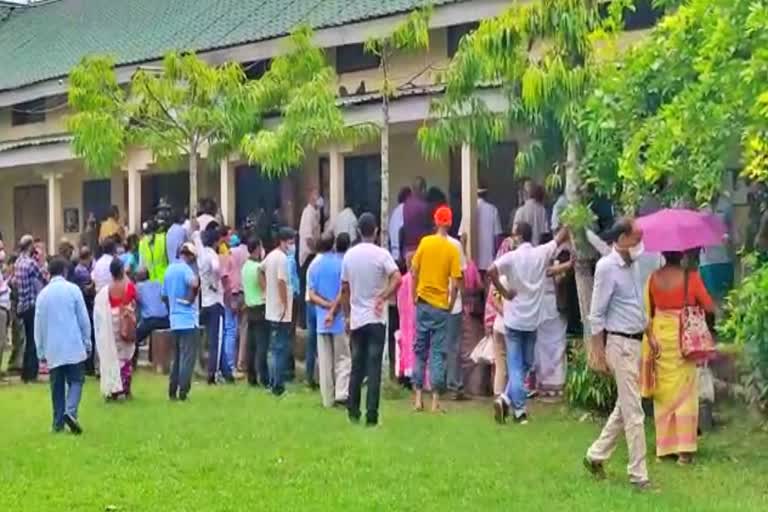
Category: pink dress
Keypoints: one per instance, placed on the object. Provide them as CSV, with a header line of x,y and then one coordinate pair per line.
x,y
407,333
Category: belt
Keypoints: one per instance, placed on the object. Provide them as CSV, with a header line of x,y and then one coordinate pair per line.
x,y
637,336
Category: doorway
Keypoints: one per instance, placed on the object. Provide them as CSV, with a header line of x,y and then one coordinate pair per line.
x,y
362,184
30,211
97,197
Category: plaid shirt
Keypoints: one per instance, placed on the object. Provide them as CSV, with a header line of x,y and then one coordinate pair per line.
x,y
29,281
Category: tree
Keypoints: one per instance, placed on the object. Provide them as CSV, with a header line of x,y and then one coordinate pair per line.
x,y
409,36
544,89
187,104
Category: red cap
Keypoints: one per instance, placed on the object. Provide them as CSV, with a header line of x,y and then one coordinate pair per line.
x,y
443,216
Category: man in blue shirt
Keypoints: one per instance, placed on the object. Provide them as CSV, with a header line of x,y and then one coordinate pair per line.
x,y
63,340
324,285
180,288
175,238
152,310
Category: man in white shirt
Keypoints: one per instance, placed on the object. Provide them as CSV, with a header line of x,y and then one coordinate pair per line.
x,y
455,377
212,302
525,269
279,307
101,275
369,278
488,230
346,222
396,220
309,236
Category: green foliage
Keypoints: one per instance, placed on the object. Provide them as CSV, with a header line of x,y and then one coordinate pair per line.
x,y
664,118
187,104
746,325
585,388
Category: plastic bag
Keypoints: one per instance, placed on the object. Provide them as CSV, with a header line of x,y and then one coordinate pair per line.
x,y
706,384
483,351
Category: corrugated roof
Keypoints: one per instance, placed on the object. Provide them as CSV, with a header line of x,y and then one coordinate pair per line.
x,y
44,42
29,142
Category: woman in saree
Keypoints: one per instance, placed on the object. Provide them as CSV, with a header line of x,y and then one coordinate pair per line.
x,y
115,352
666,376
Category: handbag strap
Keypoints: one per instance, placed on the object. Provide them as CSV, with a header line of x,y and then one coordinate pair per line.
x,y
650,295
685,288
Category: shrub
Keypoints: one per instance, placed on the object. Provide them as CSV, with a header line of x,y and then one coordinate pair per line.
x,y
585,388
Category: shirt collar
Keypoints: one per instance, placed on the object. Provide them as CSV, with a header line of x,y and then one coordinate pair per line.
x,y
57,278
618,259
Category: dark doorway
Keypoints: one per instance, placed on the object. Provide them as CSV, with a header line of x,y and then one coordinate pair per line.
x,y
97,198
362,184
173,187
30,211
254,191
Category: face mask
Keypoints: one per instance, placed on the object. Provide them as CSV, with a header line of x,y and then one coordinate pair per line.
x,y
291,250
636,251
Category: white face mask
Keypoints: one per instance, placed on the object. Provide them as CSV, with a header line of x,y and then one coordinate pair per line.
x,y
636,251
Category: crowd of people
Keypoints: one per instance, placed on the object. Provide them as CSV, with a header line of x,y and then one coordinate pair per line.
x,y
88,313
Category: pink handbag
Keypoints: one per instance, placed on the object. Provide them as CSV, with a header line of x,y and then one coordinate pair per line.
x,y
696,342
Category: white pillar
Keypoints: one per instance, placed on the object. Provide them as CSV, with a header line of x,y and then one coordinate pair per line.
x,y
134,198
336,179
227,192
55,213
469,196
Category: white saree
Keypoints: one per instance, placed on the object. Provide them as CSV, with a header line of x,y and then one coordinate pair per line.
x,y
110,382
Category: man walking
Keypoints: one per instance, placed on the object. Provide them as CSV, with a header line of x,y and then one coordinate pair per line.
x,y
525,269
324,285
279,307
369,278
180,288
212,305
63,340
29,279
436,271
618,316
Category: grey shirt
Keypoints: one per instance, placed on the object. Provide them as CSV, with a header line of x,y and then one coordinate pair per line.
x,y
617,301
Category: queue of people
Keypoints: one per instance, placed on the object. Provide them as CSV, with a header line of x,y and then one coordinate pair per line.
x,y
247,297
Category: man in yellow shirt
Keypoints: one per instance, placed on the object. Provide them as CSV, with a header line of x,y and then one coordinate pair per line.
x,y
111,225
436,271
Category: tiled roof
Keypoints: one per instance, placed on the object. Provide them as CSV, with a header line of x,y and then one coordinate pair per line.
x,y
44,42
29,142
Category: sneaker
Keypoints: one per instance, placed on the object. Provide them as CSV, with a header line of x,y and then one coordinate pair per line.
x,y
355,420
73,425
522,419
595,468
500,411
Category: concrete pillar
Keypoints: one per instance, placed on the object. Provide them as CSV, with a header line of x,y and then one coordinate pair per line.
x,y
336,182
469,196
55,212
134,198
117,192
227,191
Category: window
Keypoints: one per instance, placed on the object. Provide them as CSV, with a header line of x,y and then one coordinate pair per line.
x,y
645,14
353,57
456,33
28,112
257,69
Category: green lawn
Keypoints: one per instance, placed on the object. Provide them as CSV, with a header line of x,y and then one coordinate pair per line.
x,y
234,448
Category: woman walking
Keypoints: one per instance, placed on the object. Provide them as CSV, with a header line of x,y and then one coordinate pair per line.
x,y
115,326
666,376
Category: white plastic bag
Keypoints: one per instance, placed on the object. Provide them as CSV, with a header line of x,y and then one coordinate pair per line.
x,y
706,384
483,351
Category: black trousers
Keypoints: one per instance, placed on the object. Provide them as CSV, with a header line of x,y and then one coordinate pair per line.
x,y
31,364
258,346
301,317
367,345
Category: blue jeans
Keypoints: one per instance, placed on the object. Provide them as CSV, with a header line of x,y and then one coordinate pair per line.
x,y
279,333
453,352
66,389
230,337
311,348
431,331
520,354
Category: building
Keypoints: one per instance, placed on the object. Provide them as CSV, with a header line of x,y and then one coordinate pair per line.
x,y
45,189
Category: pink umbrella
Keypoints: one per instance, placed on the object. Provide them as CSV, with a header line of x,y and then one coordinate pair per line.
x,y
681,230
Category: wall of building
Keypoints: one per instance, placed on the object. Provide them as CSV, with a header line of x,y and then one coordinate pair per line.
x,y
55,123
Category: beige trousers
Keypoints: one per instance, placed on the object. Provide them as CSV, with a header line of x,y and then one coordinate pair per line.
x,y
334,363
623,358
499,363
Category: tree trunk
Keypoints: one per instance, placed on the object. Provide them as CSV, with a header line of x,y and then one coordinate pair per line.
x,y
385,176
584,253
193,182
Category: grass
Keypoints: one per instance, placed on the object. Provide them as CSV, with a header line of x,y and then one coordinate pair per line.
x,y
232,448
